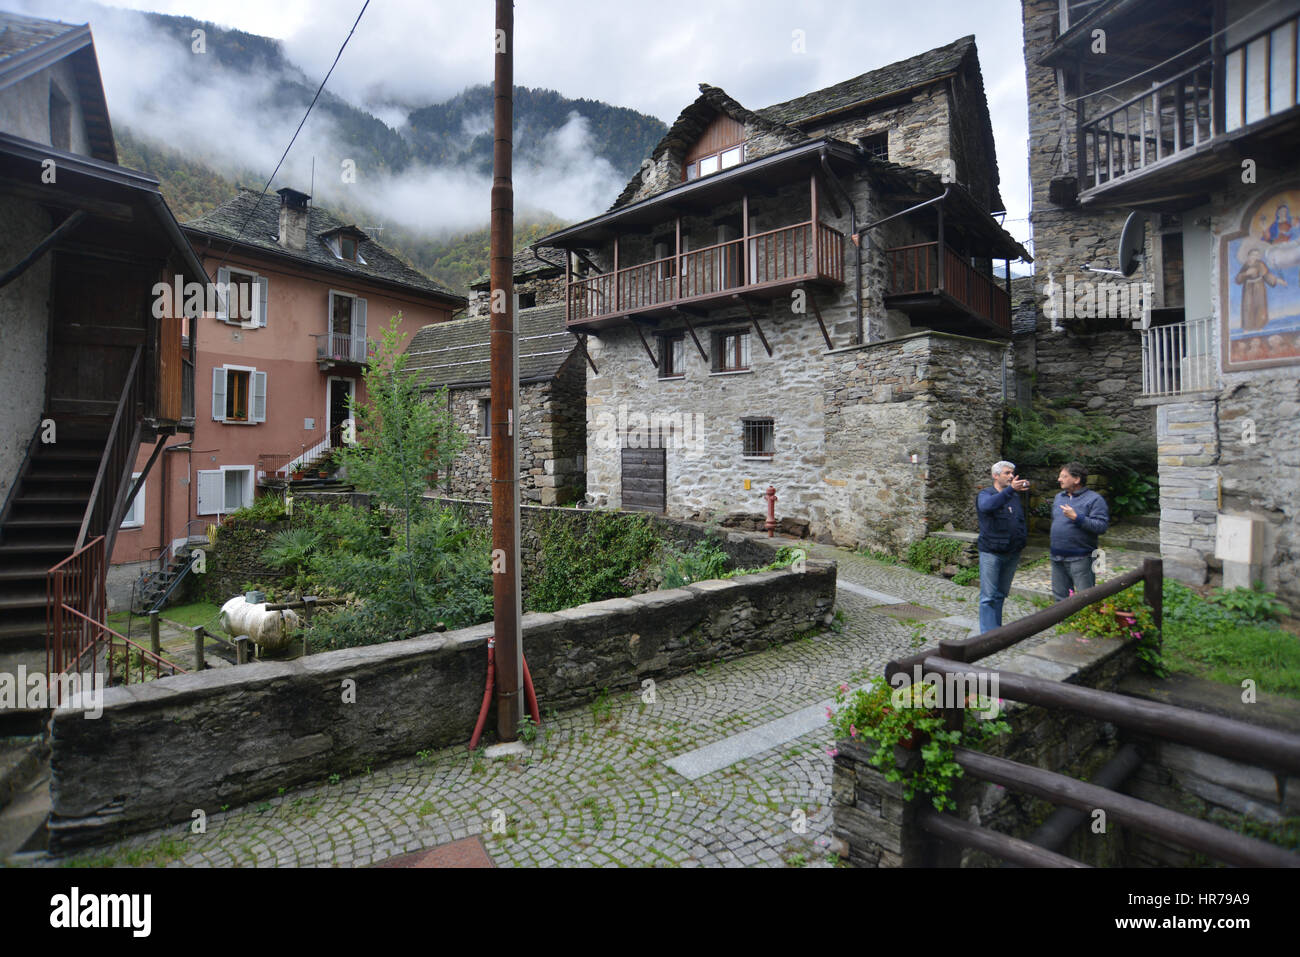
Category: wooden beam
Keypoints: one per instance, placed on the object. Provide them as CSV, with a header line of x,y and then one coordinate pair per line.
x,y
686,318
812,301
645,345
42,247
582,344
1004,846
51,196
753,318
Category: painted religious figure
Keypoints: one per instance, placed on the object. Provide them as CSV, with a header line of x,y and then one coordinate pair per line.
x,y
1261,282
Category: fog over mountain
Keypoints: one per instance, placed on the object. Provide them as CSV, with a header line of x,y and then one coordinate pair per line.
x,y
230,100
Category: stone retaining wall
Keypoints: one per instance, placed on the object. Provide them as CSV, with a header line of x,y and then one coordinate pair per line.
x,y
166,748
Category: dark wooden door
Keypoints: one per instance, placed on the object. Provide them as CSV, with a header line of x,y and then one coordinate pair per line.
x,y
100,313
645,486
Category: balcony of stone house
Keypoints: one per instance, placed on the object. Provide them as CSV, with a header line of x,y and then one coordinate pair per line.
x,y
1185,92
343,347
753,232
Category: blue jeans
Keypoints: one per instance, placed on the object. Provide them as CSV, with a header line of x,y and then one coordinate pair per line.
x,y
1071,573
996,572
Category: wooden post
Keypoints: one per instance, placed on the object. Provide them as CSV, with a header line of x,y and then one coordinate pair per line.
x,y
241,650
155,643
942,250
199,664
308,608
1153,583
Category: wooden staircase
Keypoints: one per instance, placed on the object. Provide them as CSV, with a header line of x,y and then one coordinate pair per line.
x,y
39,529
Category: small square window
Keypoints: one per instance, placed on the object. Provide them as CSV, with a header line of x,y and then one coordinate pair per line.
x,y
709,165
876,145
757,438
348,247
527,300
731,351
484,418
692,171
238,489
732,157
672,357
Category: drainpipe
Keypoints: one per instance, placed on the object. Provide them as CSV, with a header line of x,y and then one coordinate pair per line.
x,y
853,231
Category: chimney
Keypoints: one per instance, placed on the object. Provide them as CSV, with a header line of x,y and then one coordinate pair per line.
x,y
293,219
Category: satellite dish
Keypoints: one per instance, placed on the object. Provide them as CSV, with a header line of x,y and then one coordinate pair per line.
x,y
1132,243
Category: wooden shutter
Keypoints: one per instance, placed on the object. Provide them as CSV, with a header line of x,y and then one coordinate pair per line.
x,y
359,349
223,281
259,397
263,292
219,394
212,492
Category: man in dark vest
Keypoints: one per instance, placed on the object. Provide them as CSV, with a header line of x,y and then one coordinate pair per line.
x,y
1003,533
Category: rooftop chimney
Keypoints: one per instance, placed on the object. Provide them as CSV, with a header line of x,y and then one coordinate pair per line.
x,y
293,219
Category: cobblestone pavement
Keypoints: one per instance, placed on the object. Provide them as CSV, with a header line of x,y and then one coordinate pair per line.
x,y
594,790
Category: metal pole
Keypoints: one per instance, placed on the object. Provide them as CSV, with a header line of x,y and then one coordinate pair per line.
x,y
505,470
155,643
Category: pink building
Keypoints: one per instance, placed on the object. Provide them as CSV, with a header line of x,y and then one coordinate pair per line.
x,y
276,362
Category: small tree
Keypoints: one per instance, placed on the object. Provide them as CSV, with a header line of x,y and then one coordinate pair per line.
x,y
401,435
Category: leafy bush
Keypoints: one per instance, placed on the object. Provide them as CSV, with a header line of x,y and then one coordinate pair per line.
x,y
970,575
1124,616
1133,494
265,508
702,561
1047,436
931,554
578,568
1253,604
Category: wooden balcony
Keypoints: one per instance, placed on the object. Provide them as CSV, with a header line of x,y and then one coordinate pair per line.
x,y
946,295
1175,129
766,264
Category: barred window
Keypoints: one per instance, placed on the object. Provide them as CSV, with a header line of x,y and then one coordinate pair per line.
x,y
757,437
876,145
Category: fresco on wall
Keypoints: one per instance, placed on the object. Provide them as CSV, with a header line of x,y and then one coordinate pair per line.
x,y
1262,321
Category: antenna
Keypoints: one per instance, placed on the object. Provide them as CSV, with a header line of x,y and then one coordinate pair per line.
x,y
1132,246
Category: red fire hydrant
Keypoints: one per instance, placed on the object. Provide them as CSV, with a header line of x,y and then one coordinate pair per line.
x,y
770,525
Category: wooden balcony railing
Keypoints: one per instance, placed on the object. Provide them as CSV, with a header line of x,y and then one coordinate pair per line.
x,y
779,256
914,270
1259,80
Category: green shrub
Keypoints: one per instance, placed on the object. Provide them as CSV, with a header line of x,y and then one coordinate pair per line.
x,y
1047,436
702,561
1133,494
930,554
577,568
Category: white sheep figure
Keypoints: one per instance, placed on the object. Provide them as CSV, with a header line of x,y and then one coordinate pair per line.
x,y
269,630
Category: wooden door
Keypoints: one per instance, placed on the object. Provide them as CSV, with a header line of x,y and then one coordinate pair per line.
x,y
645,487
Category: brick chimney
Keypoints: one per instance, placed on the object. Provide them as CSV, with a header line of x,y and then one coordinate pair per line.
x,y
293,219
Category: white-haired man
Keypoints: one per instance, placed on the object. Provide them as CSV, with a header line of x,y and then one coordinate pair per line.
x,y
1003,533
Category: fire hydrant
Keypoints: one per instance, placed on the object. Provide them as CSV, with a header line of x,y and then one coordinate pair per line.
x,y
770,525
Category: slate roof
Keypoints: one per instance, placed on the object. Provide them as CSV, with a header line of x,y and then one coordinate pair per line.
x,y
527,265
263,231
874,84
18,33
455,354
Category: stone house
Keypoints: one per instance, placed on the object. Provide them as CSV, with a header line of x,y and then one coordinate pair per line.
x,y
94,366
538,279
551,403
802,296
1189,115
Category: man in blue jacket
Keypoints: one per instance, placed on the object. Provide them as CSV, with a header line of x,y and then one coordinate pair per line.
x,y
1079,515
1003,534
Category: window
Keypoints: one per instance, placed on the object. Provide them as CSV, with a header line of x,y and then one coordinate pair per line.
x,y
731,351
223,490
667,262
484,418
876,145
527,300
347,327
672,357
238,394
757,437
242,297
134,517
345,244
716,162
348,247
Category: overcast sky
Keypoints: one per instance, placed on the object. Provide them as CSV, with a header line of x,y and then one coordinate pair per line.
x,y
646,55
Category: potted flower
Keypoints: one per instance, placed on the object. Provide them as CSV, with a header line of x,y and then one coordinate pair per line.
x,y
890,721
297,475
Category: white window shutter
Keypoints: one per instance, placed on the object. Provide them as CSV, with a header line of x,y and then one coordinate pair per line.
x,y
219,394
359,350
329,316
259,396
264,292
212,492
223,281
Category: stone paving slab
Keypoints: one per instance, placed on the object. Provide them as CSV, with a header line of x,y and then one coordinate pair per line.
x,y
598,786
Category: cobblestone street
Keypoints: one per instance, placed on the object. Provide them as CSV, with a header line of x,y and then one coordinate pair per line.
x,y
596,788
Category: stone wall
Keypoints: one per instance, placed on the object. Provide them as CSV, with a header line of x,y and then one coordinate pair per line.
x,y
930,395
550,417
546,289
164,748
878,828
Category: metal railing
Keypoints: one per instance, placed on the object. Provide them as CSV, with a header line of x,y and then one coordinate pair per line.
x,y
341,347
1178,358
1206,732
785,255
76,635
915,269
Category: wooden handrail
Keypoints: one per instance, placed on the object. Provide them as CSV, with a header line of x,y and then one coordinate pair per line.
x,y
1145,94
